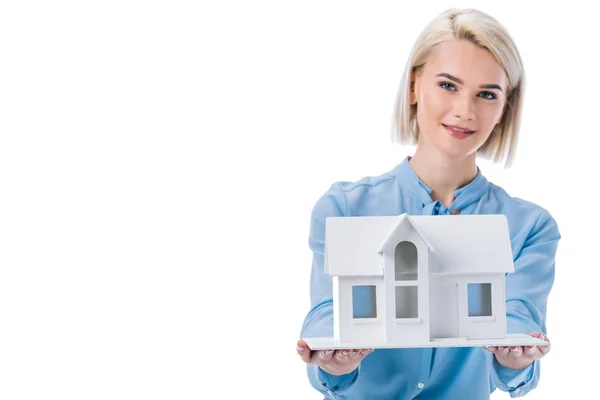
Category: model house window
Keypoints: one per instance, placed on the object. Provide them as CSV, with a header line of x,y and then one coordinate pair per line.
x,y
406,302
405,261
364,303
480,299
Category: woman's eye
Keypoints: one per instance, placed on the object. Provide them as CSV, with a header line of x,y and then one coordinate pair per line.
x,y
447,86
488,95
452,88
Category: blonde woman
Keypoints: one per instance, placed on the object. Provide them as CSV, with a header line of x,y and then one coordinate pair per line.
x,y
461,95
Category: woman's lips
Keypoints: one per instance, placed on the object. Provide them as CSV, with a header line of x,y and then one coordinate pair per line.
x,y
457,134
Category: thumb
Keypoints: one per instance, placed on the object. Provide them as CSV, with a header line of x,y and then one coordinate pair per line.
x,y
303,351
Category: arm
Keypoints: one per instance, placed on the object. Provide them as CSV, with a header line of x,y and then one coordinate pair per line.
x,y
527,291
319,321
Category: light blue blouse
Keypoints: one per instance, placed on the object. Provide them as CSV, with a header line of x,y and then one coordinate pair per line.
x,y
438,373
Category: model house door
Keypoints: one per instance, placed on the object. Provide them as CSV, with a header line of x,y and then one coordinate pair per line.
x,y
444,310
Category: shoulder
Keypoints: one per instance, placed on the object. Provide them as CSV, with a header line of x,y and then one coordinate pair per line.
x,y
535,218
337,198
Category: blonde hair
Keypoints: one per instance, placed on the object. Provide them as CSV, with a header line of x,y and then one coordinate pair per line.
x,y
487,33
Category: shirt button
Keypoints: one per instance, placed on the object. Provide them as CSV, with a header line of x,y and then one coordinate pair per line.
x,y
421,385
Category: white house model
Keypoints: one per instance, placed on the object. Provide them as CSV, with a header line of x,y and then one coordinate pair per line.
x,y
418,281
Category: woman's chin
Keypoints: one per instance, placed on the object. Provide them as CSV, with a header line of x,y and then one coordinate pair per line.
x,y
457,151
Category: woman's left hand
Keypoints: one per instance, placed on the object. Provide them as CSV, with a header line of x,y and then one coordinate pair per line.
x,y
519,357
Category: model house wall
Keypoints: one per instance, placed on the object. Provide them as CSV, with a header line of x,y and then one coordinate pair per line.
x,y
453,317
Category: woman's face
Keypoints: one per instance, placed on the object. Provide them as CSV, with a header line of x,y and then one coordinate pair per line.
x,y
461,85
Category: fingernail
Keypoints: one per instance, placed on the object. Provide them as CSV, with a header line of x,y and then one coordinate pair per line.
x,y
300,349
345,352
328,352
370,350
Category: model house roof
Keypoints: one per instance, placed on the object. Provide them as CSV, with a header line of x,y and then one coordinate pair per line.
x,y
462,243
402,219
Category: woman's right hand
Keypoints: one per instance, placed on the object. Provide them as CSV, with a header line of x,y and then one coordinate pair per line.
x,y
335,362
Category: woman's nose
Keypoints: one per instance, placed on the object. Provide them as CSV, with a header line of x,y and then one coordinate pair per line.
x,y
464,107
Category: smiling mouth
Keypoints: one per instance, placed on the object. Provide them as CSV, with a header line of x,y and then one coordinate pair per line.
x,y
456,129
457,132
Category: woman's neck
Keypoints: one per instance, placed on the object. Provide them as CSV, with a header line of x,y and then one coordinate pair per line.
x,y
443,174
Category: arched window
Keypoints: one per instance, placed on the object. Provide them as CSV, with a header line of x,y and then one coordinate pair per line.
x,y
406,261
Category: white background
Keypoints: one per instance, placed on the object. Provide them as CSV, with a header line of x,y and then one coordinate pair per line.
x,y
159,161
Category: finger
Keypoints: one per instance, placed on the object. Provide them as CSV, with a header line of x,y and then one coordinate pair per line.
x,y
545,349
533,352
539,335
516,351
303,350
504,350
341,355
355,354
323,356
491,349
542,350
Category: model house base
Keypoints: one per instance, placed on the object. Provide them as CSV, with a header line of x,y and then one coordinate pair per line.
x,y
515,339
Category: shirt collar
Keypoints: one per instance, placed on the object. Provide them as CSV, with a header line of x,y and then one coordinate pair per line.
x,y
464,195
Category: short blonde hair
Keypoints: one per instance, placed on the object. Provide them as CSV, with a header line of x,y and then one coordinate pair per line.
x,y
487,33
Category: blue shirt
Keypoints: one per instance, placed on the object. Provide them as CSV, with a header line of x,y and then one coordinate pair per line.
x,y
435,373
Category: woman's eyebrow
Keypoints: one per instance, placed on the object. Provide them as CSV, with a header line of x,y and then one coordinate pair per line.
x,y
460,81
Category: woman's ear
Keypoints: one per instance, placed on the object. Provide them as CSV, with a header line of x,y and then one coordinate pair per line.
x,y
415,82
412,89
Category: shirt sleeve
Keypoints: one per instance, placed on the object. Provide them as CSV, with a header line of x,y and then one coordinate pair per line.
x,y
527,291
319,321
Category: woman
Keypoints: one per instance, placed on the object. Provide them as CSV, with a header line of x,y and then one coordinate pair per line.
x,y
461,95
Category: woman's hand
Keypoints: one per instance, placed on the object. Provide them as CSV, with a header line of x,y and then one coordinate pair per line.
x,y
335,362
518,357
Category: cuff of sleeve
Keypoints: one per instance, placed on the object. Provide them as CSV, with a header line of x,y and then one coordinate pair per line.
x,y
337,384
516,382
513,377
